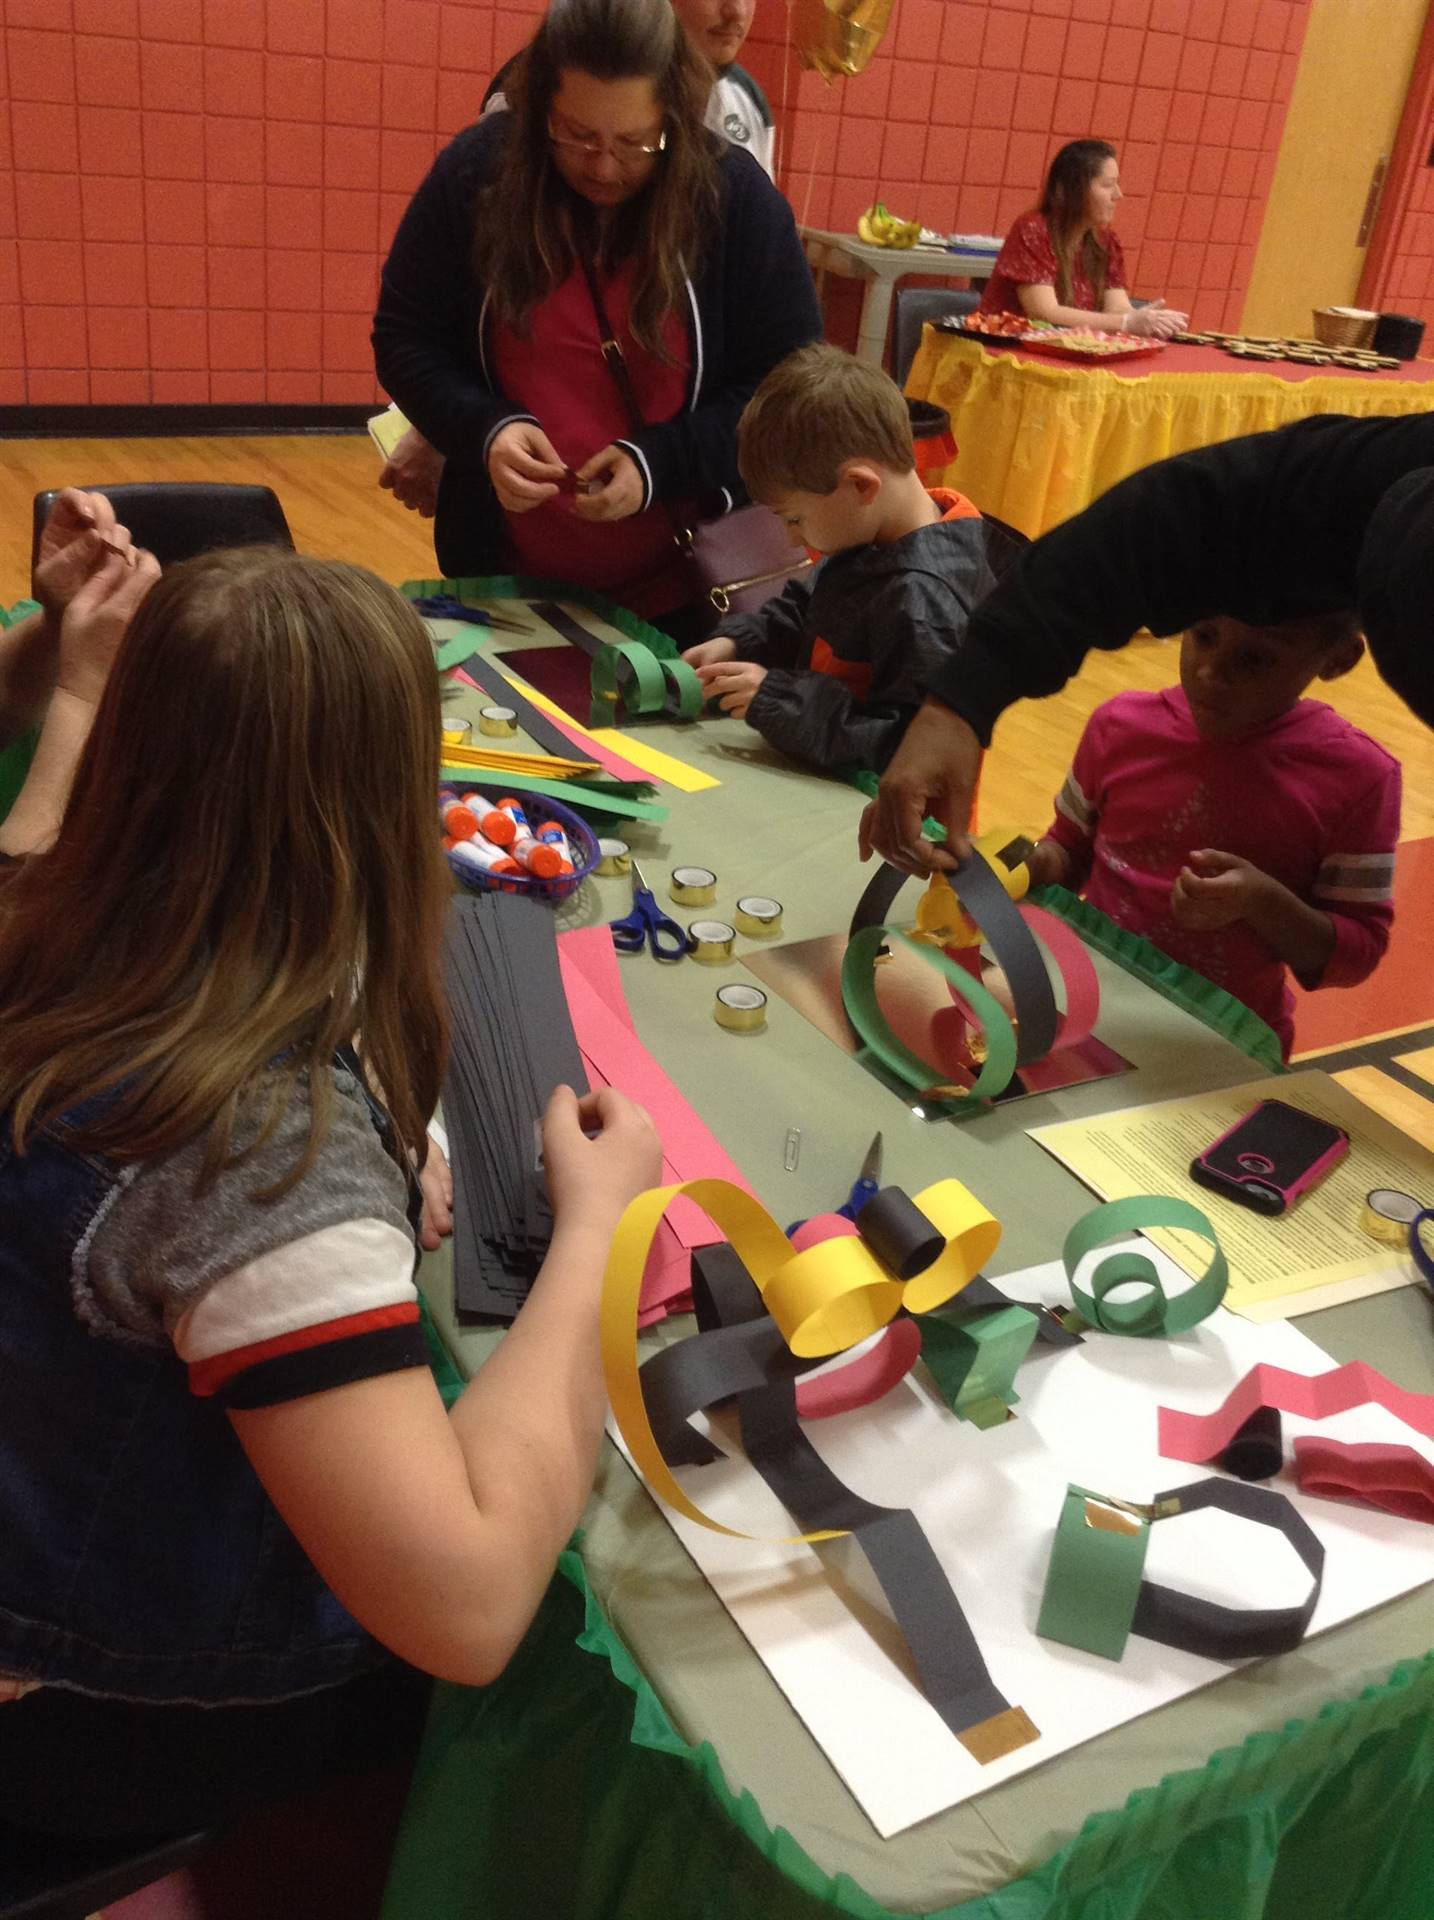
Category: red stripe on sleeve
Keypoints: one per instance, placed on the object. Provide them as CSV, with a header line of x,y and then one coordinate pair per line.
x,y
208,1376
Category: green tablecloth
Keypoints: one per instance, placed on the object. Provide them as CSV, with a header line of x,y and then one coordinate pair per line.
x,y
637,1761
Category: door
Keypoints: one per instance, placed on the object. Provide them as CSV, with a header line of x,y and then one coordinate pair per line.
x,y
1344,113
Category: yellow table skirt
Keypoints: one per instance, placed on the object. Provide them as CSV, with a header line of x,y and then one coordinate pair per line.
x,y
1038,441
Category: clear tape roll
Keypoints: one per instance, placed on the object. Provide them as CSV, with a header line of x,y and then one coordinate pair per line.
x,y
740,1009
692,886
758,916
712,941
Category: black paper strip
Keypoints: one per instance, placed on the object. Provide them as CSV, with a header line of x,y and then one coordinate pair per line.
x,y
1257,1451
1231,1633
537,725
1012,944
899,1233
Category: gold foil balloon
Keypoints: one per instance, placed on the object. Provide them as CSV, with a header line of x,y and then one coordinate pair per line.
x,y
839,36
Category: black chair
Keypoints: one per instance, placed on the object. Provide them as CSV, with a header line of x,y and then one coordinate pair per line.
x,y
914,307
178,518
42,1879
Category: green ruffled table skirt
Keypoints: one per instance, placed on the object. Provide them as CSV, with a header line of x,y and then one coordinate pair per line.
x,y
563,1790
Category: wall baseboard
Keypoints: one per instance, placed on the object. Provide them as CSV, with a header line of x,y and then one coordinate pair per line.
x,y
89,423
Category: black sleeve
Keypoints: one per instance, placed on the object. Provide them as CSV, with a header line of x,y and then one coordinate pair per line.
x,y
912,625
775,636
814,718
1264,528
425,332
759,279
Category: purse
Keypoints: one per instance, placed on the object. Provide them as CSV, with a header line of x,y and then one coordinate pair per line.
x,y
737,560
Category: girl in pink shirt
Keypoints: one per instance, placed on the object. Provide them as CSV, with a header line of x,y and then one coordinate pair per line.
x,y
1240,828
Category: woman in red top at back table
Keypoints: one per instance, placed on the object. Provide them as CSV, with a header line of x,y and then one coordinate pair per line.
x,y
1063,263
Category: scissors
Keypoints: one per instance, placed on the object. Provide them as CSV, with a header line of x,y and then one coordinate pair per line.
x,y
865,1187
442,606
647,924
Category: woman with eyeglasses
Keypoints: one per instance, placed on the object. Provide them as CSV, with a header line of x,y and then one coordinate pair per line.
x,y
601,177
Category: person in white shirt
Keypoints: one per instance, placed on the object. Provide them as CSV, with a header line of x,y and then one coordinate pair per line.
x,y
737,109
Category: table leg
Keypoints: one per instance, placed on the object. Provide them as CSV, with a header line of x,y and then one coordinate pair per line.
x,y
875,317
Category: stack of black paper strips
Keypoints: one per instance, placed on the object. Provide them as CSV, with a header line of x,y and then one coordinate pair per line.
x,y
512,1043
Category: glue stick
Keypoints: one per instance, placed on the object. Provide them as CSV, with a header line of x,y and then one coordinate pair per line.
x,y
493,823
552,835
528,850
459,822
477,853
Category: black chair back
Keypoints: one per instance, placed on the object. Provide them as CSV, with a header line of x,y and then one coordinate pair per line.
x,y
176,519
914,307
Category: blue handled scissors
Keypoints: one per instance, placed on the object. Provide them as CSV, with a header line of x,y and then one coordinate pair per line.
x,y
865,1187
442,606
647,925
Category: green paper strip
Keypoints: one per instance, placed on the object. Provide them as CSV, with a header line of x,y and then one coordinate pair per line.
x,y
973,1356
642,689
1158,1312
22,609
1094,1576
858,992
685,697
581,799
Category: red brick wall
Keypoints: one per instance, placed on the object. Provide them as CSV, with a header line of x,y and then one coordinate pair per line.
x,y
195,195
957,116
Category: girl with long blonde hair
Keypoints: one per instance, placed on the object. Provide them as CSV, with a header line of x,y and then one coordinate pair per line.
x,y
229,1491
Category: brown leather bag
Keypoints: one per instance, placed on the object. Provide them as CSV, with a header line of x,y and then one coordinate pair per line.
x,y
737,560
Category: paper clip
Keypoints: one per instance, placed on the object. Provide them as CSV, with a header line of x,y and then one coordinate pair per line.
x,y
791,1152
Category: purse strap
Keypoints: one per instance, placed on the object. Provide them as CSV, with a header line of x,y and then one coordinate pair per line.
x,y
615,360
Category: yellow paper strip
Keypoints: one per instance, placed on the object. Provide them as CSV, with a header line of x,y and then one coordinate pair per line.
x,y
652,760
662,766
1421,1063
824,1298
501,760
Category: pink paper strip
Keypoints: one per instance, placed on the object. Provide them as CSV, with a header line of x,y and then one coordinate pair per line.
x,y
1396,1479
878,1370
591,749
591,951
617,1058
1200,1436
1077,970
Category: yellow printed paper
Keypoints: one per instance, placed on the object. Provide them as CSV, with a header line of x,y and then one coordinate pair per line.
x,y
1276,1265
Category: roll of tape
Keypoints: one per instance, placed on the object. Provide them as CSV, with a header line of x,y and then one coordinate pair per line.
x,y
712,941
758,916
740,1009
614,856
1387,1215
498,722
457,733
692,886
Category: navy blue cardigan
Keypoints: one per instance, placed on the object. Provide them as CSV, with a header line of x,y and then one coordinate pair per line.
x,y
750,304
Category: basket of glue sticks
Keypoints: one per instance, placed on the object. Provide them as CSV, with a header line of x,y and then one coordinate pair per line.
x,y
496,845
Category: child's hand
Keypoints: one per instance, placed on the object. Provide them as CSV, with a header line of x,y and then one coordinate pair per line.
x,y
79,531
1215,890
599,1152
97,618
435,1182
609,486
707,653
732,684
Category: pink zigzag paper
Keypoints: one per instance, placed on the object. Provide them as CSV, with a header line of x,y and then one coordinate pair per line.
x,y
1200,1436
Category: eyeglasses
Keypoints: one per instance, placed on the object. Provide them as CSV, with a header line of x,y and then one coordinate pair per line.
x,y
627,153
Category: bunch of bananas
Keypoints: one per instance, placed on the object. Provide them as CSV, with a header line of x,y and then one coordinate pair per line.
x,y
880,228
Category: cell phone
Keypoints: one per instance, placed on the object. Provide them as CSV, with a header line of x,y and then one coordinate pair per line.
x,y
1269,1158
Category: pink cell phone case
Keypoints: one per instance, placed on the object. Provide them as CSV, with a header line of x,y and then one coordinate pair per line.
x,y
1270,1157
